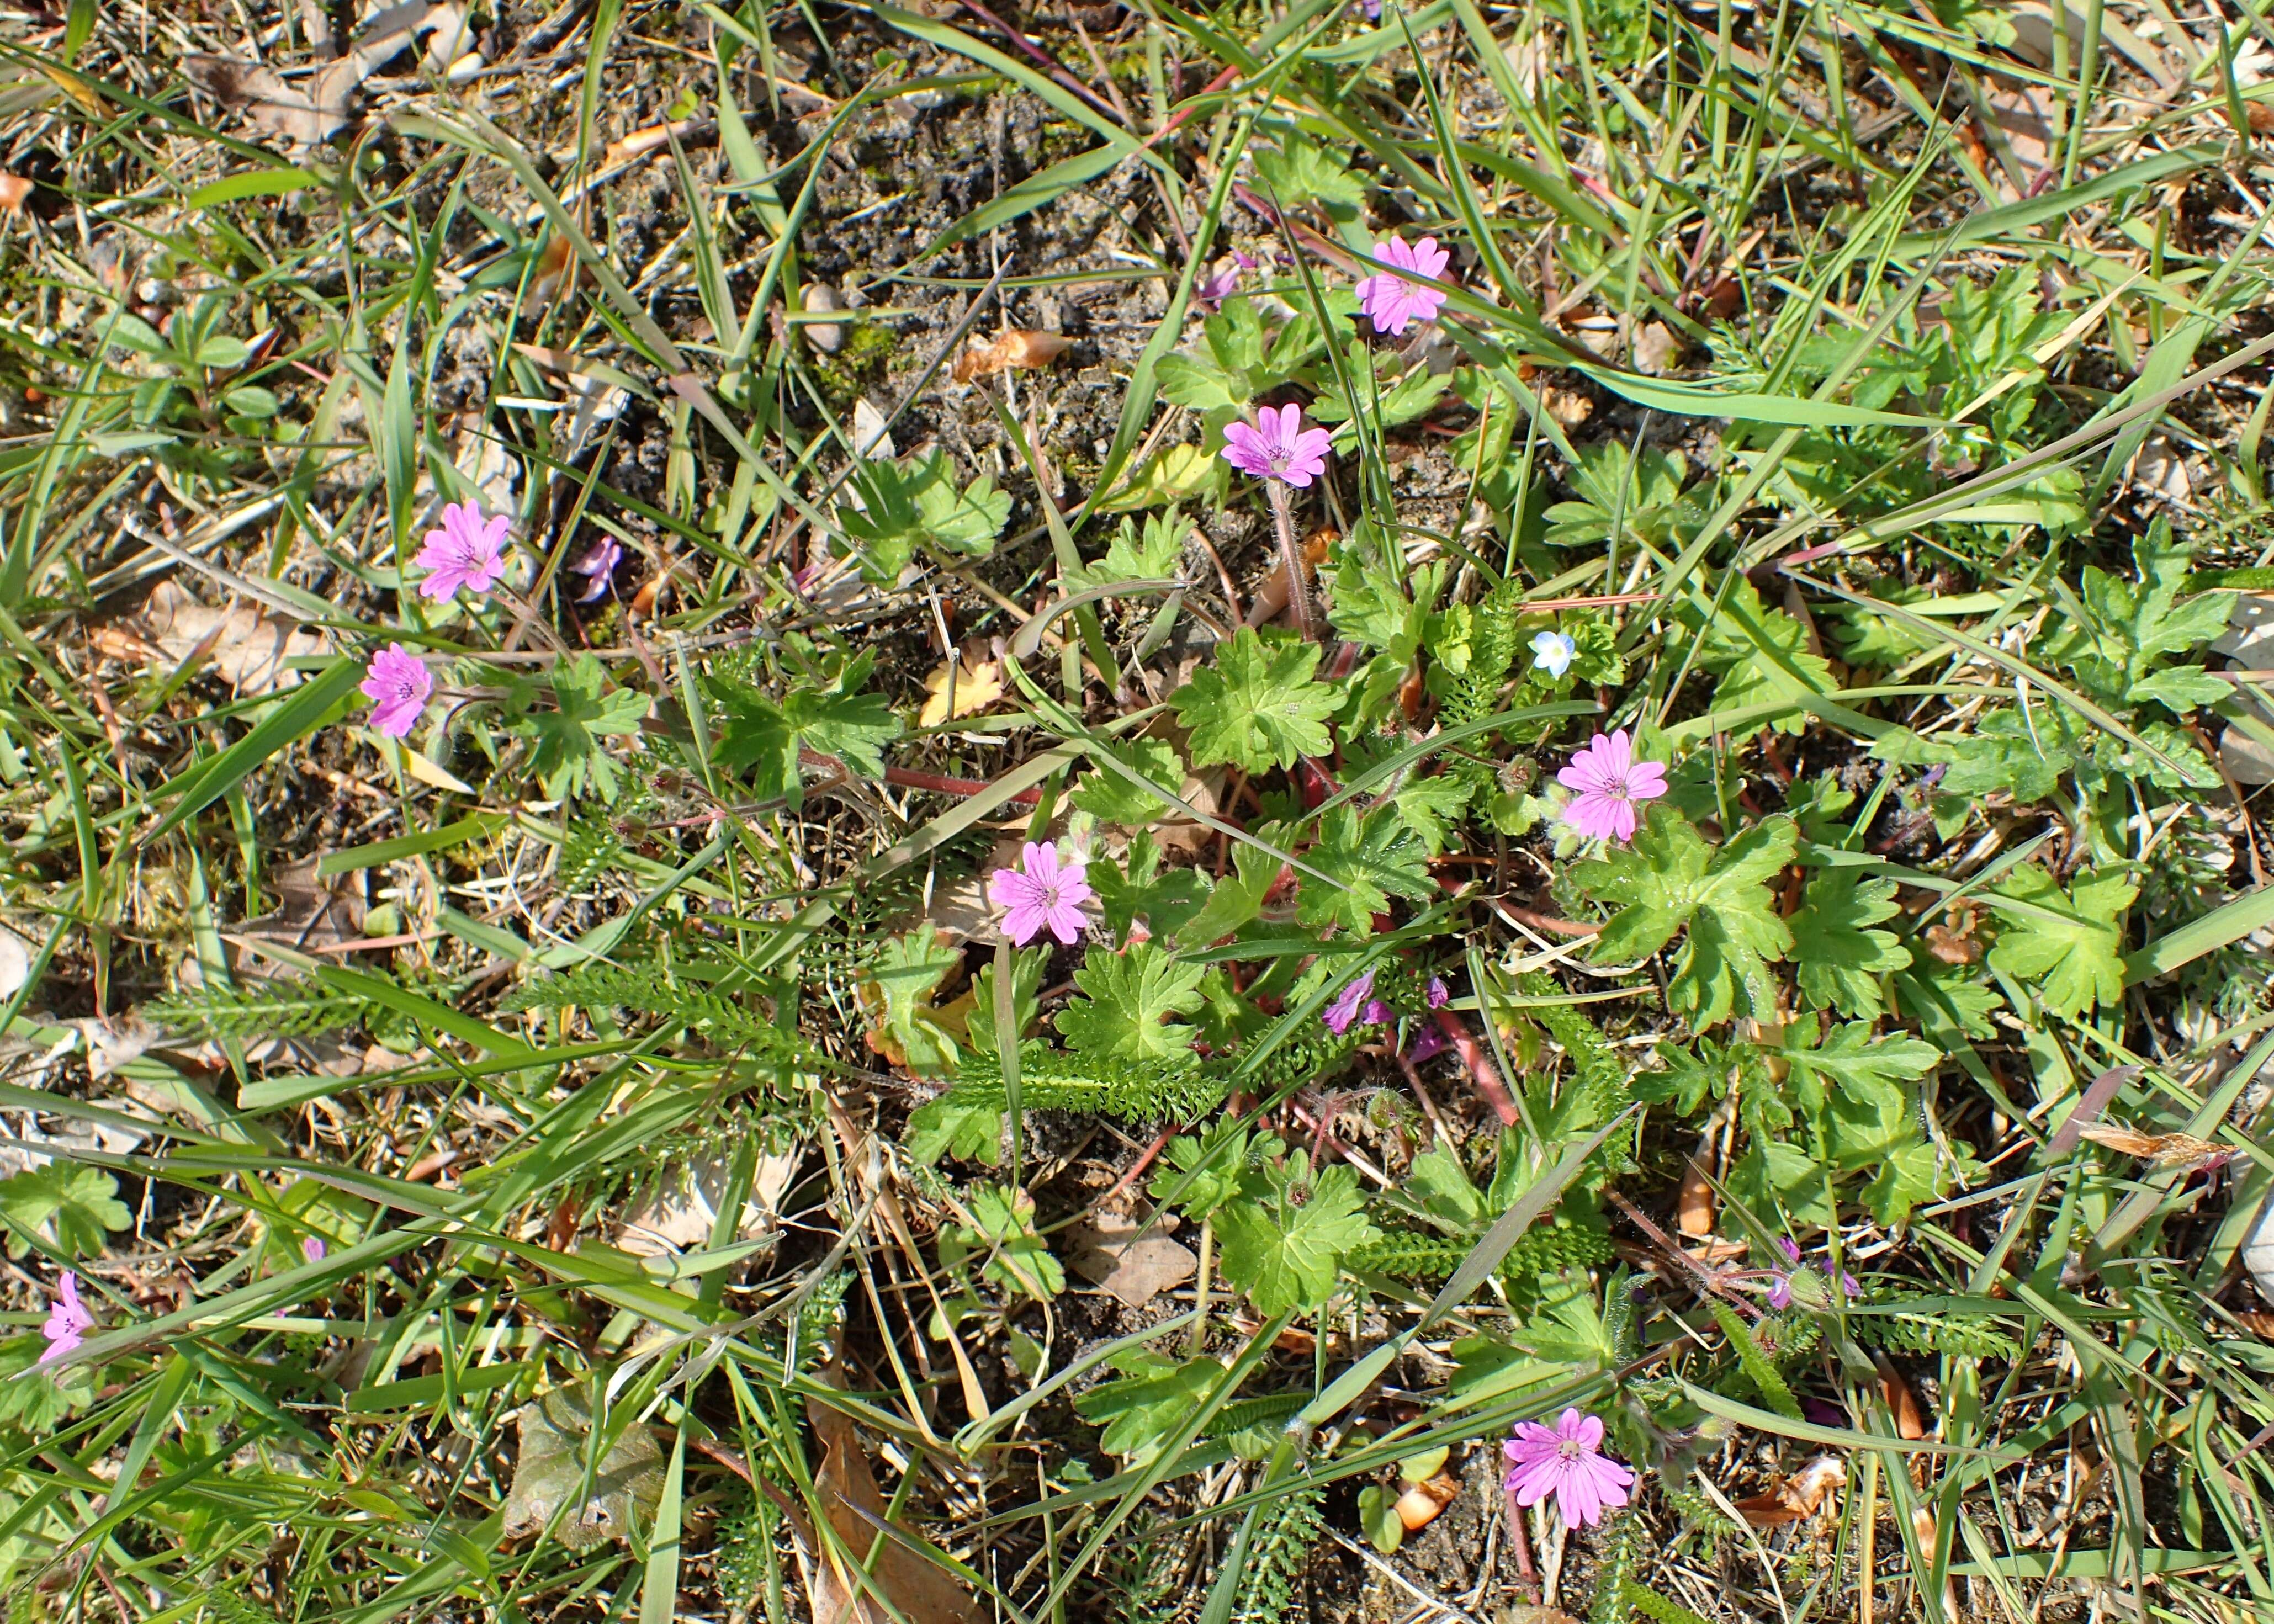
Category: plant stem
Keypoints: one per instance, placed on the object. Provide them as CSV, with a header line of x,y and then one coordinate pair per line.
x,y
1290,559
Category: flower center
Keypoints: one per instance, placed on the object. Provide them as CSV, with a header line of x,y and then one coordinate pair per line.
x,y
1569,1449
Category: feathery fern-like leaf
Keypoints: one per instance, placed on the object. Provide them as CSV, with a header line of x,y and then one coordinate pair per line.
x,y
275,1009
1277,1551
1134,1091
1757,1369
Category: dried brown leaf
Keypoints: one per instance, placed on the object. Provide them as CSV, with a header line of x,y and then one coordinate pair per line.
x,y
309,114
1116,1253
1022,348
249,645
1693,1213
2164,1150
13,190
855,1508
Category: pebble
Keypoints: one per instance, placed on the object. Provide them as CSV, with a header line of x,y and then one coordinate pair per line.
x,y
826,337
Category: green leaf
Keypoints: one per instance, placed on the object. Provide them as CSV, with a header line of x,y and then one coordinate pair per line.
x,y
905,973
1852,1063
1670,879
1155,553
967,1129
1003,1228
1198,1182
1164,900
1378,1518
1761,655
1841,957
1443,1186
1110,798
1300,172
1284,1241
1147,1403
1258,708
1372,860
1370,605
837,720
2076,961
569,756
903,507
74,1207
1128,1001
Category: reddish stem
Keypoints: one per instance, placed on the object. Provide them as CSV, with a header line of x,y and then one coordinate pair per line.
x,y
908,777
1481,1069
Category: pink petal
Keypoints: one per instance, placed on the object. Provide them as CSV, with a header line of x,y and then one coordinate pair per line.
x,y
1073,889
1007,887
1576,1502
1022,920
1621,818
1066,923
1536,1482
1589,1433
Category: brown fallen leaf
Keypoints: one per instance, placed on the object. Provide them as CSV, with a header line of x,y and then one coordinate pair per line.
x,y
1693,1211
1951,947
552,273
1910,1420
965,690
310,114
2160,1150
1797,1497
13,190
1114,1251
2257,1324
855,1508
1023,348
655,138
249,645
1657,348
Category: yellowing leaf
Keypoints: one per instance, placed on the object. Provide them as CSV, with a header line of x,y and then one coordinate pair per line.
x,y
966,690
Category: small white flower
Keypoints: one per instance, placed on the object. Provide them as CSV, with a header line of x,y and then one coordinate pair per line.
x,y
1552,652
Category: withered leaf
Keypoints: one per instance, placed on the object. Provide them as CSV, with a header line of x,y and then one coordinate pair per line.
x,y
2162,1150
855,1508
952,691
624,1490
1023,348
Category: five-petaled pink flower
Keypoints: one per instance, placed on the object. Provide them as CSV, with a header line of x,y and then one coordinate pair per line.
x,y
468,550
1610,782
1356,1002
1566,1459
1041,892
1390,301
1278,447
599,566
68,1321
398,685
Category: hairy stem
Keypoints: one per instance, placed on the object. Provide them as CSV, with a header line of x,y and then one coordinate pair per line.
x,y
1290,559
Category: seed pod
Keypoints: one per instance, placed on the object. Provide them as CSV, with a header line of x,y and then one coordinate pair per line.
x,y
1419,1505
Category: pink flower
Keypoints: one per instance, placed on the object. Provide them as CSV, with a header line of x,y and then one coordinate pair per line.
x,y
468,550
398,684
1278,447
1429,1042
313,1248
1610,781
1346,1006
1567,1461
1392,302
599,566
1041,892
68,1321
1438,995
1214,290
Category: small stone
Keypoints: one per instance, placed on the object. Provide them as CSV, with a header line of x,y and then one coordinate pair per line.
x,y
826,337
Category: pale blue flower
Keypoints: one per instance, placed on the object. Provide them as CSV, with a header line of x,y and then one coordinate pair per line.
x,y
1552,652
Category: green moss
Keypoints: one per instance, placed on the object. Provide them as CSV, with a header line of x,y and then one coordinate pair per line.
x,y
855,367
